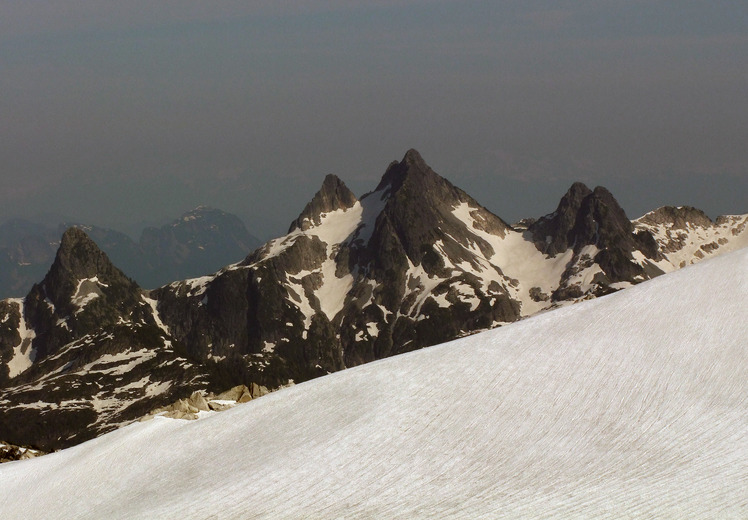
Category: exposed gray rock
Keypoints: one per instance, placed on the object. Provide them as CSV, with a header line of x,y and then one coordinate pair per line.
x,y
332,196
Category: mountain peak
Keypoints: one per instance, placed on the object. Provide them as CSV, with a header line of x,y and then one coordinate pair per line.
x,y
594,218
79,258
77,252
602,222
583,217
332,196
411,168
603,194
578,190
553,231
413,158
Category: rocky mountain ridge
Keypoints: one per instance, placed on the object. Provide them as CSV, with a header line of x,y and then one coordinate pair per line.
x,y
413,263
199,241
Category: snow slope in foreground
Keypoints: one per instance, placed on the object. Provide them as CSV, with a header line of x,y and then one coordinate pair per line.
x,y
633,405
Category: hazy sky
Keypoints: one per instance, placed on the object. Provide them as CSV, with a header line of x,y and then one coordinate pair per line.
x,y
123,112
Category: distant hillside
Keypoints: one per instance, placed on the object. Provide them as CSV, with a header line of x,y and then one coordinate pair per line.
x,y
200,241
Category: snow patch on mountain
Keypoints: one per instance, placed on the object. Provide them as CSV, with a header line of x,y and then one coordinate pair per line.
x,y
687,243
23,353
88,289
154,312
372,205
337,225
421,283
518,259
121,363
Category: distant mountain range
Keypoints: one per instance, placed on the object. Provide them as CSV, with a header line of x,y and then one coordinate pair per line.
x,y
198,242
413,263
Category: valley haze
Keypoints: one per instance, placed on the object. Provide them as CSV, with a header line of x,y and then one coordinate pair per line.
x,y
156,108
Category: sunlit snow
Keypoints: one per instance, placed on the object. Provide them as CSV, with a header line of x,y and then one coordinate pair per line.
x,y
88,289
519,259
23,353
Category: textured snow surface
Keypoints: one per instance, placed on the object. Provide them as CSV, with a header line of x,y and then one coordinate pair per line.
x,y
634,405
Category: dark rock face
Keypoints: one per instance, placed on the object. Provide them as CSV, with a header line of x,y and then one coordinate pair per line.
x,y
83,290
553,234
333,195
418,227
419,209
100,358
585,218
9,336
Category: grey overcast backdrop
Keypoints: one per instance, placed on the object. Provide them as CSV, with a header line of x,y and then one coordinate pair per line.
x,y
131,112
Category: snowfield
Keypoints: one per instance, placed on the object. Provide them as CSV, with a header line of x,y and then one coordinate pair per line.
x,y
633,405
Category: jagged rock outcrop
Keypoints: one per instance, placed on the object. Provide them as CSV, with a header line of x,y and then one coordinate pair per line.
x,y
334,195
679,218
685,235
11,452
89,353
553,233
189,408
592,225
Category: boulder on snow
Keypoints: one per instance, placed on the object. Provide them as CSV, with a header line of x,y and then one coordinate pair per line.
x,y
257,390
240,394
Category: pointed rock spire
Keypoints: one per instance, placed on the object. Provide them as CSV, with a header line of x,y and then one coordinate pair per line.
x,y
602,222
584,217
413,169
420,209
332,196
552,233
594,218
81,268
79,258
